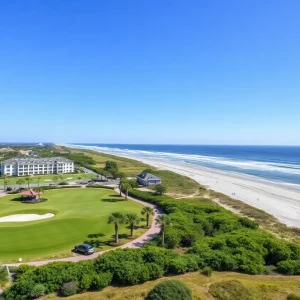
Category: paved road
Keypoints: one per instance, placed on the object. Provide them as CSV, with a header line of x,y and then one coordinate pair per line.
x,y
153,231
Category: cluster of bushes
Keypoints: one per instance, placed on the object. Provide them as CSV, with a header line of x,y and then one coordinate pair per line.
x,y
120,267
221,239
65,278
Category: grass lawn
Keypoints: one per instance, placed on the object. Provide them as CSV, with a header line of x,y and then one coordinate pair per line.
x,y
261,287
47,178
80,216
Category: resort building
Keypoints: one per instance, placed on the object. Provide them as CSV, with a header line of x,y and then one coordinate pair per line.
x,y
36,166
147,179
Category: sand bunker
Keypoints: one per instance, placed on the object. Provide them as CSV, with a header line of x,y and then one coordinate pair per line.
x,y
25,217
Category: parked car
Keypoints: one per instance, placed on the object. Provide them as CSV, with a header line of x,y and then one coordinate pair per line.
x,y
85,249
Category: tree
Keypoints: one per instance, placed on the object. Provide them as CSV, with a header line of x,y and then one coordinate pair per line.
x,y
116,218
163,221
28,179
148,211
55,178
160,189
39,179
120,175
20,182
132,219
6,183
126,185
111,167
4,180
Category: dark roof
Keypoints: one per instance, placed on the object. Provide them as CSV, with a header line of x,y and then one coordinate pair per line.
x,y
148,176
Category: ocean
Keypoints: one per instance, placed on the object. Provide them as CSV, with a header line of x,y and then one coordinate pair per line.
x,y
275,163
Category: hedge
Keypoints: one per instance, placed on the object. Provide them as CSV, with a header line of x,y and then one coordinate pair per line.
x,y
99,186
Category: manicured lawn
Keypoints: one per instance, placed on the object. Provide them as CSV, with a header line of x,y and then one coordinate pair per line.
x,y
47,178
80,216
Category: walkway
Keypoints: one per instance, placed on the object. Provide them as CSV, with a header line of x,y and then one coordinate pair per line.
x,y
153,231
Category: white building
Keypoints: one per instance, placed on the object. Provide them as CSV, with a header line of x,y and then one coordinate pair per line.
x,y
36,166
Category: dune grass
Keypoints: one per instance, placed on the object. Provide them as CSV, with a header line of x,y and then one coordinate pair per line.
x,y
80,216
260,287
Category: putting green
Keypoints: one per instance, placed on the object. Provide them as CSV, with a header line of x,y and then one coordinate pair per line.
x,y
80,216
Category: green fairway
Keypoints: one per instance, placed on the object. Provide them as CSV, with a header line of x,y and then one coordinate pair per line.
x,y
80,216
47,178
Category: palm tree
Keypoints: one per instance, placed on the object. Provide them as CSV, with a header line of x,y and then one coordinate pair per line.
x,y
19,182
120,175
126,185
163,221
4,176
6,183
116,218
28,179
132,219
39,179
148,211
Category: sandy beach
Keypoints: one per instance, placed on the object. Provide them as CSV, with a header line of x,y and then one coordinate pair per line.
x,y
278,199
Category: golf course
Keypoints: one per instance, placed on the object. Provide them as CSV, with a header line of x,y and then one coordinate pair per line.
x,y
42,179
80,215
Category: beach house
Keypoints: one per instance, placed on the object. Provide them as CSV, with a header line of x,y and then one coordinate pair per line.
x,y
147,179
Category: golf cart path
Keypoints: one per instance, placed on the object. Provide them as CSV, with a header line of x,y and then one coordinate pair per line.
x,y
153,231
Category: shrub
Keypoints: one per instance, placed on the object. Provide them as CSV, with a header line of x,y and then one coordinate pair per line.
x,y
228,290
99,186
178,265
38,291
289,267
85,282
170,290
100,281
3,276
292,297
68,289
207,271
24,269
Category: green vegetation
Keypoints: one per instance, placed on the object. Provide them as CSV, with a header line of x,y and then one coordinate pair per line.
x,y
42,179
164,221
220,239
69,289
117,219
262,287
293,297
4,277
228,290
207,271
170,290
133,220
160,189
148,211
80,216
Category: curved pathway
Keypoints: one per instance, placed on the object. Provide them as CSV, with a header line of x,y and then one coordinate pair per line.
x,y
153,231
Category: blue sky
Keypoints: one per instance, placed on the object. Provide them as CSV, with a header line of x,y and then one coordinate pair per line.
x,y
195,72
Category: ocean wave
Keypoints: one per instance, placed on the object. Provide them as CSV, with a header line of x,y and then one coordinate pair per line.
x,y
201,159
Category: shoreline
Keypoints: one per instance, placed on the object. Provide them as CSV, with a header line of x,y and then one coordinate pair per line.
x,y
282,200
